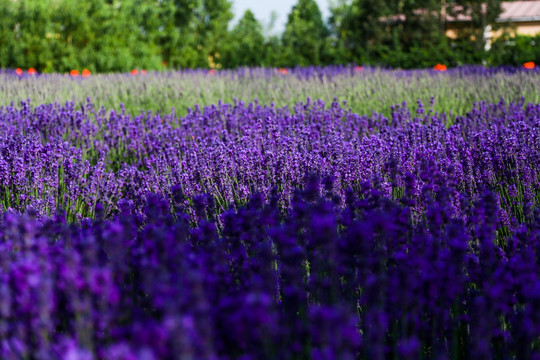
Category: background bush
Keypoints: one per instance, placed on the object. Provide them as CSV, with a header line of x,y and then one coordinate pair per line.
x,y
112,35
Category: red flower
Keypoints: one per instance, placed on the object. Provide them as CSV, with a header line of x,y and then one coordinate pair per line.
x,y
529,65
212,71
86,73
143,71
440,67
134,72
74,73
284,71
358,68
18,71
32,71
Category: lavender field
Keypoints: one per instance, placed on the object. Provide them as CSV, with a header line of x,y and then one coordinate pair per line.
x,y
326,213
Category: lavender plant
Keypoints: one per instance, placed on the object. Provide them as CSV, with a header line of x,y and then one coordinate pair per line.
x,y
55,156
324,281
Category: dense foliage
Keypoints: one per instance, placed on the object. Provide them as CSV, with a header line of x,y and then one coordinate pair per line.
x,y
114,35
515,50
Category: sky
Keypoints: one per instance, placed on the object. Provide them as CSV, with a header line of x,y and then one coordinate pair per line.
x,y
263,8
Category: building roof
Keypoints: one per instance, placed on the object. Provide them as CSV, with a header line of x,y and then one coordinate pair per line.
x,y
512,11
518,11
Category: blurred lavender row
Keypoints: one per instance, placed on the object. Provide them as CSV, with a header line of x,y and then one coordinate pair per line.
x,y
363,280
366,89
60,156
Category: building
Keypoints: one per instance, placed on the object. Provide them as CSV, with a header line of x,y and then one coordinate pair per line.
x,y
517,18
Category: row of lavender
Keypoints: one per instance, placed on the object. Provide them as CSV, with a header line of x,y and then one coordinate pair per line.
x,y
365,280
55,156
366,89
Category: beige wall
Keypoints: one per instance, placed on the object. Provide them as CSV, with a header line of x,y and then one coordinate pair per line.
x,y
524,28
521,28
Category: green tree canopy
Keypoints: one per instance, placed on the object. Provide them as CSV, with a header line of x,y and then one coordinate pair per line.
x,y
195,32
120,35
8,34
305,38
246,43
483,13
360,29
213,29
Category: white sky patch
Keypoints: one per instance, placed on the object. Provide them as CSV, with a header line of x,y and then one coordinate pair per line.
x,y
263,10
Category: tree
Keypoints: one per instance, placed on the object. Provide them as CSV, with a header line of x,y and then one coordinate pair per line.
x,y
7,33
419,24
117,39
275,52
483,14
305,38
359,28
246,44
418,34
193,32
338,11
213,29
177,33
35,35
409,33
